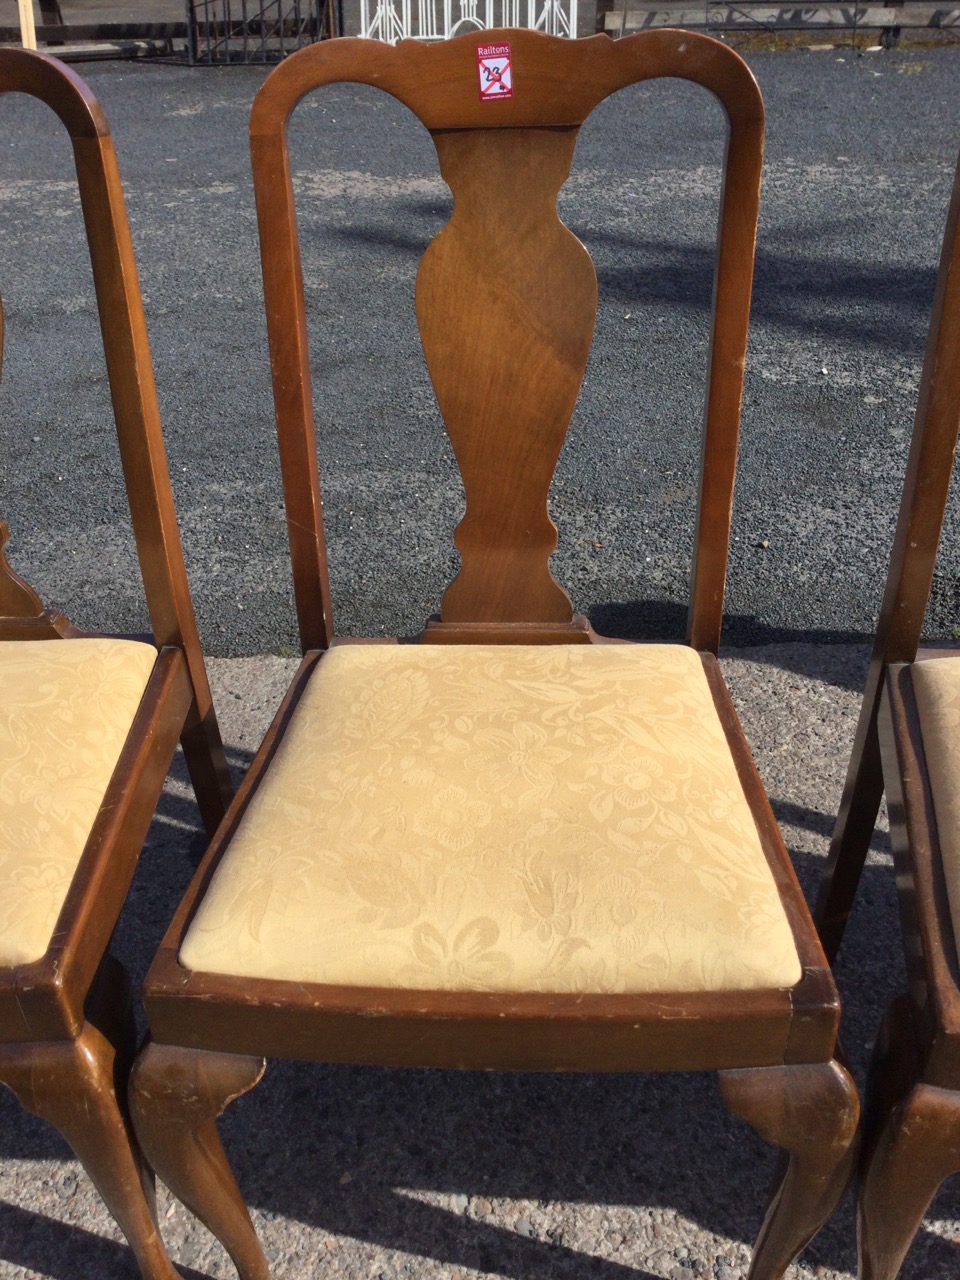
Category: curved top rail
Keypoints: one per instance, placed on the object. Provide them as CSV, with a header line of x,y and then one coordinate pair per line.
x,y
557,82
46,78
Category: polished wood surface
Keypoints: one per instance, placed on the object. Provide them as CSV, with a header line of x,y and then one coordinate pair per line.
x,y
134,398
506,302
909,579
912,1144
79,1086
67,1035
506,388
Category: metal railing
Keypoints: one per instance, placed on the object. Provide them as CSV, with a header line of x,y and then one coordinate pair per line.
x,y
394,20
227,31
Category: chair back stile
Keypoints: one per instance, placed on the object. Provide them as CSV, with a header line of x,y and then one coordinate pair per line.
x,y
506,303
909,581
133,392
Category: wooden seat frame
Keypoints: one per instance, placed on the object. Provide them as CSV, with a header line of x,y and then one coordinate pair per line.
x,y
67,1034
774,1048
913,1128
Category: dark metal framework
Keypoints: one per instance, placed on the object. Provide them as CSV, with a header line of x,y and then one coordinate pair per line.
x,y
249,31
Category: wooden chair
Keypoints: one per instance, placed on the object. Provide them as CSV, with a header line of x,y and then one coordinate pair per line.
x,y
510,846
88,725
910,723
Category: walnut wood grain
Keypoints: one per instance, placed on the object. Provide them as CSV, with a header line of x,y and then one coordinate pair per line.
x,y
493,302
506,324
918,1148
576,631
134,398
65,1043
913,1122
912,1145
914,1117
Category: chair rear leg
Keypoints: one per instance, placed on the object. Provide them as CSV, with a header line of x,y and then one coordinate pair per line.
x,y
176,1096
854,830
893,1072
913,1143
206,762
77,1087
812,1111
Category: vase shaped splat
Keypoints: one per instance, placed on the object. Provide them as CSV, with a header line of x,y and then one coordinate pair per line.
x,y
506,303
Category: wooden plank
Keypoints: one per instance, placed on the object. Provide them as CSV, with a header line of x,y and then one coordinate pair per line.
x,y
28,30
104,32
98,51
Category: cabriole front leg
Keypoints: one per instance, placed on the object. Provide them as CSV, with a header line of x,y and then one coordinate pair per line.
x,y
73,1084
812,1112
176,1096
911,1143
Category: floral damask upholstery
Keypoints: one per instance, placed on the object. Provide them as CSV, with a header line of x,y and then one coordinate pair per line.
x,y
65,710
936,684
510,818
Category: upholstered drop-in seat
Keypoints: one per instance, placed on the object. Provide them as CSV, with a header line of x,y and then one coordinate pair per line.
x,y
501,818
936,686
66,708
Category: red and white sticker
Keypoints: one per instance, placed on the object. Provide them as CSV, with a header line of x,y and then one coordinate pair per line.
x,y
496,75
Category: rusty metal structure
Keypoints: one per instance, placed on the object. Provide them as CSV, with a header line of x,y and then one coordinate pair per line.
x,y
251,31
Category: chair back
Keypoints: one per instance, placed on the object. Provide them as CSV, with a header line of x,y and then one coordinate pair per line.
x,y
506,301
127,352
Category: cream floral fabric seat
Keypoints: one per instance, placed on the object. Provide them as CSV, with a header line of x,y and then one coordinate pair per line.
x,y
936,685
509,818
65,710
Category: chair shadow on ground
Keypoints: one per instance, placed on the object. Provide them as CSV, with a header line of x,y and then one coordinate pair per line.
x,y
666,620
44,1246
646,270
